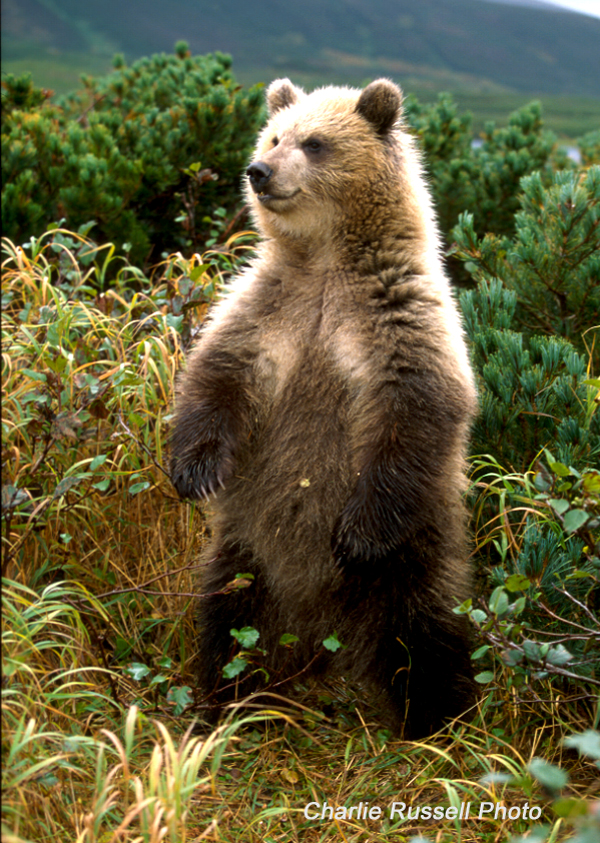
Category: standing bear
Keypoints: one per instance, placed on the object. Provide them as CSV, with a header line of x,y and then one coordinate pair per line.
x,y
326,407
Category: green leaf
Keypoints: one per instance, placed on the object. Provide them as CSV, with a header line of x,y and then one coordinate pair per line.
x,y
532,650
175,322
517,582
247,636
479,615
86,227
53,336
512,657
549,775
485,677
560,469
559,505
66,484
464,607
519,605
588,743
288,638
575,519
570,808
181,696
558,655
332,643
540,482
498,604
136,488
235,667
198,271
137,671
185,285
36,376
98,461
591,482
480,651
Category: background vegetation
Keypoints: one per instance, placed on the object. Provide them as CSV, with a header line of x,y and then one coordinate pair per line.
x,y
100,558
124,151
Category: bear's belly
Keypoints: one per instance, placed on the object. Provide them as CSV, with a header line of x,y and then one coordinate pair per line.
x,y
294,475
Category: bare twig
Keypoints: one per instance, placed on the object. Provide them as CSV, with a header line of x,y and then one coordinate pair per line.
x,y
144,447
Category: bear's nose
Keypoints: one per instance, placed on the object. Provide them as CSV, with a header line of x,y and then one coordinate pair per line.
x,y
259,175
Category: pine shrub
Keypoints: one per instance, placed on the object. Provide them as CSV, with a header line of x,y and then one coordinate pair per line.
x,y
148,152
481,176
552,261
532,324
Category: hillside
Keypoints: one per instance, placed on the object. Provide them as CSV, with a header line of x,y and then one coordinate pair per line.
x,y
491,55
463,44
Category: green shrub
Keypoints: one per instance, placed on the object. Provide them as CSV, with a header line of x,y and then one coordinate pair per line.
x,y
552,260
589,145
87,382
482,179
537,440
148,152
535,392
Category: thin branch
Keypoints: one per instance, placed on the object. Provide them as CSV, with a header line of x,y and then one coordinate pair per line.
x,y
143,586
556,617
581,605
144,447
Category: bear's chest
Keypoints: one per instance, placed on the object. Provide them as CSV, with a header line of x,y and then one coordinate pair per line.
x,y
313,333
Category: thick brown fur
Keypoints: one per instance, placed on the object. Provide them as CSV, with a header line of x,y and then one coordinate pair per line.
x,y
327,408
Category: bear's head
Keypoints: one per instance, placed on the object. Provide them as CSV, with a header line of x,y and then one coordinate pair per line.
x,y
328,162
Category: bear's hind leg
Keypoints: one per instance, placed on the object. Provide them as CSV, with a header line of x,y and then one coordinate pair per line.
x,y
440,675
415,652
424,672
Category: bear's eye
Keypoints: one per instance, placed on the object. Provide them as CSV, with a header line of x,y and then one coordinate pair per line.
x,y
275,141
313,146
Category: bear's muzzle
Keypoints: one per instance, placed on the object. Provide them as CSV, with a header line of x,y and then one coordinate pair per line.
x,y
259,174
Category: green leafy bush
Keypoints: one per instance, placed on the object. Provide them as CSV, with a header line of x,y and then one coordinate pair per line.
x,y
481,176
148,152
87,382
551,261
539,627
537,440
535,392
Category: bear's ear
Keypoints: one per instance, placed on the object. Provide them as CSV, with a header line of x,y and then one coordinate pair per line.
x,y
380,104
282,93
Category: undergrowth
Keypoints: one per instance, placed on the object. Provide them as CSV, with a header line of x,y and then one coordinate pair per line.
x,y
101,577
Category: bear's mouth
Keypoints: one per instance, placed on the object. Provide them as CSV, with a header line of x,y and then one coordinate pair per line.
x,y
266,198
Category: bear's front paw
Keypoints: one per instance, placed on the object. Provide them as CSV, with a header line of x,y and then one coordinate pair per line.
x,y
353,540
201,473
368,528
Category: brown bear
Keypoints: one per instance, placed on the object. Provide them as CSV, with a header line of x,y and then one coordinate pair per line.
x,y
326,407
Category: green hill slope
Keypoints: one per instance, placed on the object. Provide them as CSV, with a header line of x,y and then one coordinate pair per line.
x,y
465,46
484,44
